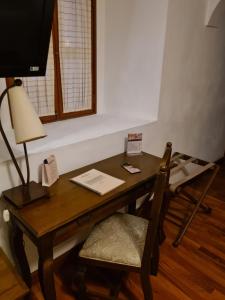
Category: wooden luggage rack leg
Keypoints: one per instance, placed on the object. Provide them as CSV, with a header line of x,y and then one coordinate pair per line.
x,y
197,204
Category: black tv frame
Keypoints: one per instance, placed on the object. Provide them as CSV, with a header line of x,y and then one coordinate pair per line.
x,y
39,69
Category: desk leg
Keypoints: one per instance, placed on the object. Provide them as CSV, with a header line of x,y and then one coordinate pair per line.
x,y
132,207
45,268
18,252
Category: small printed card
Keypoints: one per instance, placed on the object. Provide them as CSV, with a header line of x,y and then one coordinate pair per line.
x,y
134,143
49,171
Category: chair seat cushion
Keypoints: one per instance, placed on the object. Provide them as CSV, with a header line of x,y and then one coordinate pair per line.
x,y
118,239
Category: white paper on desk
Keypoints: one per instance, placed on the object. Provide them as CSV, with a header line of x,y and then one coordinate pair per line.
x,y
98,181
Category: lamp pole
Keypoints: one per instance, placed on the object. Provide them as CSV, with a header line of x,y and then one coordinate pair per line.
x,y
17,82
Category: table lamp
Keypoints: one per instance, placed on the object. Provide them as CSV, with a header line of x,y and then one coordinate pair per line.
x,y
27,127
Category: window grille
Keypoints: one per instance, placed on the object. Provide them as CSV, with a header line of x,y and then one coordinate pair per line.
x,y
69,85
75,54
41,89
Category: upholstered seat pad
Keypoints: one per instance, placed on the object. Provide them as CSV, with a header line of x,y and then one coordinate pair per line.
x,y
118,239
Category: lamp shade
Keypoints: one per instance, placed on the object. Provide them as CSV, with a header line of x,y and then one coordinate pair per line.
x,y
26,123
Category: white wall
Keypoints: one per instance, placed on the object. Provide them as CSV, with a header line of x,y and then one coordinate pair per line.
x,y
192,104
134,43
192,100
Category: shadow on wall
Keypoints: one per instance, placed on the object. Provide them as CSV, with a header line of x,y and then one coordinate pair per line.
x,y
215,13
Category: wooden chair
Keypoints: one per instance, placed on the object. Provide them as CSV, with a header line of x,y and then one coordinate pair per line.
x,y
184,170
126,242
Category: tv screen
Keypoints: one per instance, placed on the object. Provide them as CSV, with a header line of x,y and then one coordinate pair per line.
x,y
25,29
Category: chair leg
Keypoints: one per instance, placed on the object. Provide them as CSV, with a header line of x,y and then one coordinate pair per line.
x,y
115,289
146,286
165,207
79,280
162,236
155,261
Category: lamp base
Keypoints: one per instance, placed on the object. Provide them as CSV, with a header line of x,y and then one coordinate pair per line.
x,y
25,194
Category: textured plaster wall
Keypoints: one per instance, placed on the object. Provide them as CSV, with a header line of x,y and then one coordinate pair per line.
x,y
134,44
192,103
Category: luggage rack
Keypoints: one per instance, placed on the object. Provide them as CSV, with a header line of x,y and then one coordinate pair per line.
x,y
184,170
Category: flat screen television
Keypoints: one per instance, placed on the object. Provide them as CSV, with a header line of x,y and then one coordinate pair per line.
x,y
25,29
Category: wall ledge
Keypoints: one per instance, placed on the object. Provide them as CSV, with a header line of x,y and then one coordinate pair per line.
x,y
68,132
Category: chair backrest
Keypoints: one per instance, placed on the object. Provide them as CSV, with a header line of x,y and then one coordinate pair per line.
x,y
160,186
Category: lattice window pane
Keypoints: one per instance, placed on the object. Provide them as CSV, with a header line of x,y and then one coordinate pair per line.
x,y
75,54
41,89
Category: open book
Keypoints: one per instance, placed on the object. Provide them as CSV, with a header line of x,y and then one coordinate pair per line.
x,y
97,181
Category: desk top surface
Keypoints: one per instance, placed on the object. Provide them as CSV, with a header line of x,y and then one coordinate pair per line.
x,y
68,201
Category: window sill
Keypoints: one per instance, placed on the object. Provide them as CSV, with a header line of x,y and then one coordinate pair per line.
x,y
72,131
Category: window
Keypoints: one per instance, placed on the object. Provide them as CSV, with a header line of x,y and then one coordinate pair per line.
x,y
69,87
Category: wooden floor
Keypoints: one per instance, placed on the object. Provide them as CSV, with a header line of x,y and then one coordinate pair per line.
x,y
195,270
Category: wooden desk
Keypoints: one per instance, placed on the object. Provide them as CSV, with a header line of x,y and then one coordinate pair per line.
x,y
71,206
12,286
